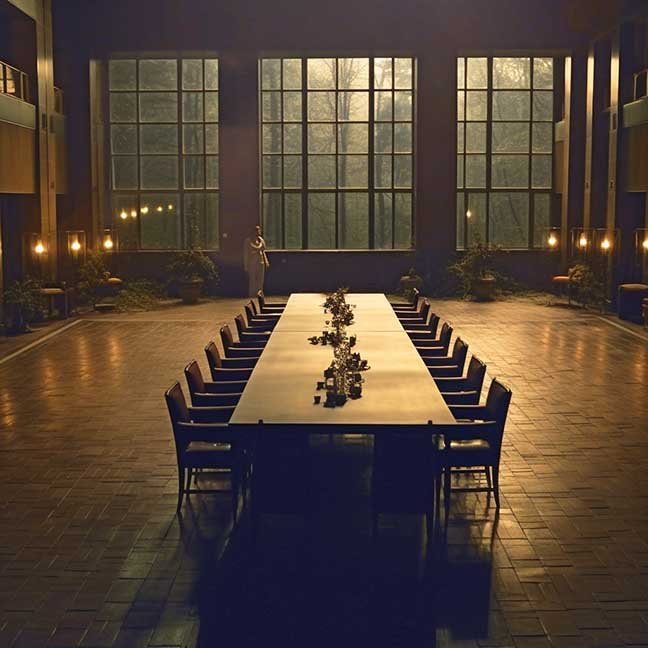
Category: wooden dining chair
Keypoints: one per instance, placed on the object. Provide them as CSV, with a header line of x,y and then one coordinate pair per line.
x,y
249,334
239,349
207,394
414,319
424,333
256,319
227,369
457,358
412,305
266,306
474,445
439,346
204,441
463,390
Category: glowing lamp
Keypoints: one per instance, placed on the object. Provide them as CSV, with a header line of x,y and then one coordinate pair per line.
x,y
605,244
159,208
582,241
108,242
39,248
75,246
644,245
468,214
170,207
123,214
145,209
133,214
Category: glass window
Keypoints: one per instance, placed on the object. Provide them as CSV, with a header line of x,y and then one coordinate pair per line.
x,y
337,137
164,150
504,150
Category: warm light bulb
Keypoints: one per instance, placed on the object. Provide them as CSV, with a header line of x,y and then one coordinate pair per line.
x,y
145,209
645,244
553,241
605,244
159,208
75,246
123,215
39,248
170,207
108,243
582,242
468,214
133,214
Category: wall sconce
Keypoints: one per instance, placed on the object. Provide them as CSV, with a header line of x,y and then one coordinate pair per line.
x,y
108,241
552,239
641,253
76,244
606,241
581,241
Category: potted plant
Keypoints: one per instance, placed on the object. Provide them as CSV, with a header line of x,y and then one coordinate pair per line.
x,y
409,282
189,270
24,302
92,277
476,273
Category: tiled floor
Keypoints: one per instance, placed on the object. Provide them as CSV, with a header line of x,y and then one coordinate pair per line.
x,y
92,554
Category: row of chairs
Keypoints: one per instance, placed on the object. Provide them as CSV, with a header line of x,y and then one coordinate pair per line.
x,y
474,445
203,439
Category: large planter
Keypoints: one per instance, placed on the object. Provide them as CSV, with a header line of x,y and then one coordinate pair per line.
x,y
483,289
408,283
190,290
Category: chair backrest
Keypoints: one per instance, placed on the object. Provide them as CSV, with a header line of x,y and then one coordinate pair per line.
x,y
459,353
178,413
261,298
446,334
497,405
250,311
194,378
226,337
425,310
240,325
433,323
213,358
476,374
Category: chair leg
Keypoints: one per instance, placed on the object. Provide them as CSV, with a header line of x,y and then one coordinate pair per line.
x,y
488,478
496,485
190,472
447,487
181,482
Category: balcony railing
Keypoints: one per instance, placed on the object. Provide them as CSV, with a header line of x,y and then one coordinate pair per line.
x,y
13,82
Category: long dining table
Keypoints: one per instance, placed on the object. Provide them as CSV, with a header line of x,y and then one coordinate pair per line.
x,y
398,389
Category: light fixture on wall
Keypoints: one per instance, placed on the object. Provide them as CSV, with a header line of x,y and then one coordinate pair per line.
x,y
552,239
581,241
76,244
108,241
641,253
35,253
123,214
606,241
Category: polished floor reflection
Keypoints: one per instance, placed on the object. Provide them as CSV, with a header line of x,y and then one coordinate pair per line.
x,y
92,554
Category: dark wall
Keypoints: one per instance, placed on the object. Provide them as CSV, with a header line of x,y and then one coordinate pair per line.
x,y
239,31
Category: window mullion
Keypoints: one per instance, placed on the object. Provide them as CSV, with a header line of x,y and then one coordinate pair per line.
x,y
370,159
304,192
489,146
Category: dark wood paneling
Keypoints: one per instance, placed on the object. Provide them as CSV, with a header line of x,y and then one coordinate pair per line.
x,y
636,153
17,159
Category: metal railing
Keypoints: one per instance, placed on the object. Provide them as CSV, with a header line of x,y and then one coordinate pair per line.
x,y
640,83
14,83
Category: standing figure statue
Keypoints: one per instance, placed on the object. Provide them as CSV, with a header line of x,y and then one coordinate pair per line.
x,y
255,261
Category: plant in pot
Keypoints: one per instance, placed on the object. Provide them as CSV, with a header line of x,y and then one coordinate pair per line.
x,y
189,270
475,271
409,282
24,302
92,276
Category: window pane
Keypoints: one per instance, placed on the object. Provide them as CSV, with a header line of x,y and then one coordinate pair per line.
x,y
476,171
124,217
211,138
122,75
383,171
541,218
292,108
461,106
123,107
201,221
192,106
477,76
160,226
543,106
194,172
321,171
159,172
321,138
542,138
541,172
511,137
158,107
354,220
272,138
383,73
353,73
211,77
460,171
124,172
509,219
158,74
403,73
272,219
211,236
461,73
475,138
543,73
403,106
159,139
476,106
292,74
271,106
461,222
461,144
353,106
476,218
123,139
383,226
212,170
272,171
403,221
383,138
293,220
511,106
321,106
211,106
403,138
403,171
321,74
353,138
321,221
271,74
352,171
292,138
511,73
383,106
510,171
192,76
292,171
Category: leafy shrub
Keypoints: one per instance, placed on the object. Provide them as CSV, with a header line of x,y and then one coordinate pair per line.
x,y
24,303
138,295
91,276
